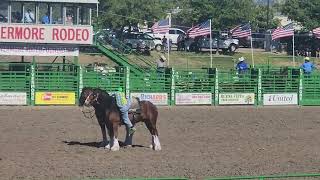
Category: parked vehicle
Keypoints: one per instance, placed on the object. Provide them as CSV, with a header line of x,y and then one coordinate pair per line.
x,y
258,41
226,44
133,39
173,34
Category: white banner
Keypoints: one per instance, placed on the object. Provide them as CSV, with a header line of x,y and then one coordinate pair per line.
x,y
155,98
280,99
28,33
37,50
236,98
193,98
13,98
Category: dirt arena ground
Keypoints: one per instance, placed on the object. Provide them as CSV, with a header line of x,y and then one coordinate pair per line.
x,y
198,142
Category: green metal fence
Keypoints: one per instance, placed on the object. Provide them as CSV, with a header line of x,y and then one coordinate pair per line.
x,y
38,77
283,177
56,77
15,77
310,89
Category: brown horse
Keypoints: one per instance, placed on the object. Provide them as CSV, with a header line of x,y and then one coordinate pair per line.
x,y
108,116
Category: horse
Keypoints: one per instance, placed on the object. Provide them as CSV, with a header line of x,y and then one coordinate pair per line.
x,y
108,116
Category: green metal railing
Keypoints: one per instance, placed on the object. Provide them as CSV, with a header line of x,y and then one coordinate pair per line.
x,y
289,176
15,77
38,77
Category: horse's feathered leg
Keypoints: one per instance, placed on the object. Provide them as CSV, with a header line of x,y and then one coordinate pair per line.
x,y
104,136
128,140
155,142
101,121
115,145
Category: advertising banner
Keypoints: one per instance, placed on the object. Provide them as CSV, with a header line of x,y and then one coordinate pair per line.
x,y
37,50
280,99
13,98
236,98
155,98
46,34
193,98
55,98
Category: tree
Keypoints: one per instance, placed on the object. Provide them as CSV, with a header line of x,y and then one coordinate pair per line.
x,y
305,12
117,14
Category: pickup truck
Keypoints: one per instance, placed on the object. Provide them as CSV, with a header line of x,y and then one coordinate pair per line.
x,y
226,44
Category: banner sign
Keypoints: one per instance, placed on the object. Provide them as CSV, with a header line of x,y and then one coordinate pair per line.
x,y
193,98
55,98
155,98
280,99
236,98
37,50
13,98
27,33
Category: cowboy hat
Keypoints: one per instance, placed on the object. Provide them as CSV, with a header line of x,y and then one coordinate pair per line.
x,y
241,59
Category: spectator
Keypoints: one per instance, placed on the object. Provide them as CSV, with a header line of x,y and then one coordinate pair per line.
x,y
161,65
318,53
307,66
28,17
164,43
45,19
242,66
181,42
69,19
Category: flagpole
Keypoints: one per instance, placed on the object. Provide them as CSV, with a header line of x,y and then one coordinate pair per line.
x,y
294,63
210,44
252,52
251,46
168,40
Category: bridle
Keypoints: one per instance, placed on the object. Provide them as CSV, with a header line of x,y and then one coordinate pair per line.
x,y
90,113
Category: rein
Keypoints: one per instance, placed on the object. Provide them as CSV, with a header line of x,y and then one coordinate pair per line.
x,y
90,113
87,114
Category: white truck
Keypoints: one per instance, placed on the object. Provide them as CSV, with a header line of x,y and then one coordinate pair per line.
x,y
173,34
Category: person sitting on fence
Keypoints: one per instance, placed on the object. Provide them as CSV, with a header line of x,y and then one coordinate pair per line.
x,y
124,103
242,66
307,66
161,65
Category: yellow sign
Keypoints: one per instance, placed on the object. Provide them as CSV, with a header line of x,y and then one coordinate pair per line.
x,y
55,98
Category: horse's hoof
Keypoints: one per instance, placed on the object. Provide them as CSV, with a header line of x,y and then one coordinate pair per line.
x,y
157,148
115,148
107,146
151,146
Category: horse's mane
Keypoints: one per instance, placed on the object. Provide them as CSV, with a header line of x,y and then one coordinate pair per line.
x,y
105,98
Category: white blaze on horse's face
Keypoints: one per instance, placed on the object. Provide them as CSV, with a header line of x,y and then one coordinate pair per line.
x,y
87,101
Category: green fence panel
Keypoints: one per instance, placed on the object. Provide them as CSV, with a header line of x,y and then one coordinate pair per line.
x,y
106,79
279,80
311,89
15,77
283,177
151,82
56,77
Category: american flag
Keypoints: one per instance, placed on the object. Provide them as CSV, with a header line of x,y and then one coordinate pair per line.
x,y
316,32
283,32
241,31
199,30
161,26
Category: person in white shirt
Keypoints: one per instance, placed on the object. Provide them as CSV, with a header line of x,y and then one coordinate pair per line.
x,y
28,17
